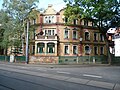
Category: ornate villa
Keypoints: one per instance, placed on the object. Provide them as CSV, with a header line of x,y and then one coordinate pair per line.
x,y
55,42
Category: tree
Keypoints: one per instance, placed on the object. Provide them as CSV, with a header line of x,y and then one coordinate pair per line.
x,y
17,11
103,13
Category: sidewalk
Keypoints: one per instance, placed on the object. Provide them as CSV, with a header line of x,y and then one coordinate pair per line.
x,y
56,65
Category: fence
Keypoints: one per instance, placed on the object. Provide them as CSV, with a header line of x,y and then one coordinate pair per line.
x,y
17,58
82,59
115,60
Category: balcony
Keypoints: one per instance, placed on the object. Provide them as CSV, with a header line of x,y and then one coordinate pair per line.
x,y
44,37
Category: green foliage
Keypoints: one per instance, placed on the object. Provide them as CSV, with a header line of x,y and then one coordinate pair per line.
x,y
104,13
12,19
19,9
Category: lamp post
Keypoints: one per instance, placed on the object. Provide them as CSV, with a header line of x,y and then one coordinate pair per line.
x,y
27,36
27,47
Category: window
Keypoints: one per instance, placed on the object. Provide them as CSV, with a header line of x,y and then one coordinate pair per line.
x,y
87,49
93,24
101,37
66,34
87,36
49,19
86,22
40,48
51,48
74,49
34,21
46,19
74,34
52,32
45,32
101,50
66,49
95,36
66,20
75,21
95,50
49,32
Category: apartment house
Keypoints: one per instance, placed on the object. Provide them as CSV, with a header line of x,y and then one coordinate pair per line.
x,y
56,42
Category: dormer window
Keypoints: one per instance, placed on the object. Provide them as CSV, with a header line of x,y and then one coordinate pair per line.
x,y
49,19
86,22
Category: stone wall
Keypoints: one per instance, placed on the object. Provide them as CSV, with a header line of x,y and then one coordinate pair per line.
x,y
43,59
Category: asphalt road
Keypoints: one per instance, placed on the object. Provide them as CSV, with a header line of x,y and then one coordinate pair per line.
x,y
50,77
17,81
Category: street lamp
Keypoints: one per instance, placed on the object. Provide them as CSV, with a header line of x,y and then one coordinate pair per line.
x,y
81,39
27,47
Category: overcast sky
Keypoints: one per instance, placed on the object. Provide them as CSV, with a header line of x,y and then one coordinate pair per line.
x,y
57,4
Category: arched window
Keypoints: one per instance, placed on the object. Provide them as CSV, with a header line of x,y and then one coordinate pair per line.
x,y
87,49
50,48
87,36
40,47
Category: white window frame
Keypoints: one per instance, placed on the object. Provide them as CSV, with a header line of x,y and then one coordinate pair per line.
x,y
68,49
52,31
49,19
76,34
76,49
89,49
67,35
85,36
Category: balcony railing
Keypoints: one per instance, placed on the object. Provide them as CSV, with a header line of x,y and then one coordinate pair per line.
x,y
43,37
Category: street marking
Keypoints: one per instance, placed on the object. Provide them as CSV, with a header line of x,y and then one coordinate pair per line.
x,y
23,67
87,75
63,72
41,69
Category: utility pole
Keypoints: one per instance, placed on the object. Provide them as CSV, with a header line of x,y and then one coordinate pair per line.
x,y
27,47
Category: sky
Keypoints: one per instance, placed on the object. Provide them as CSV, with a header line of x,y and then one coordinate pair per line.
x,y
57,4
